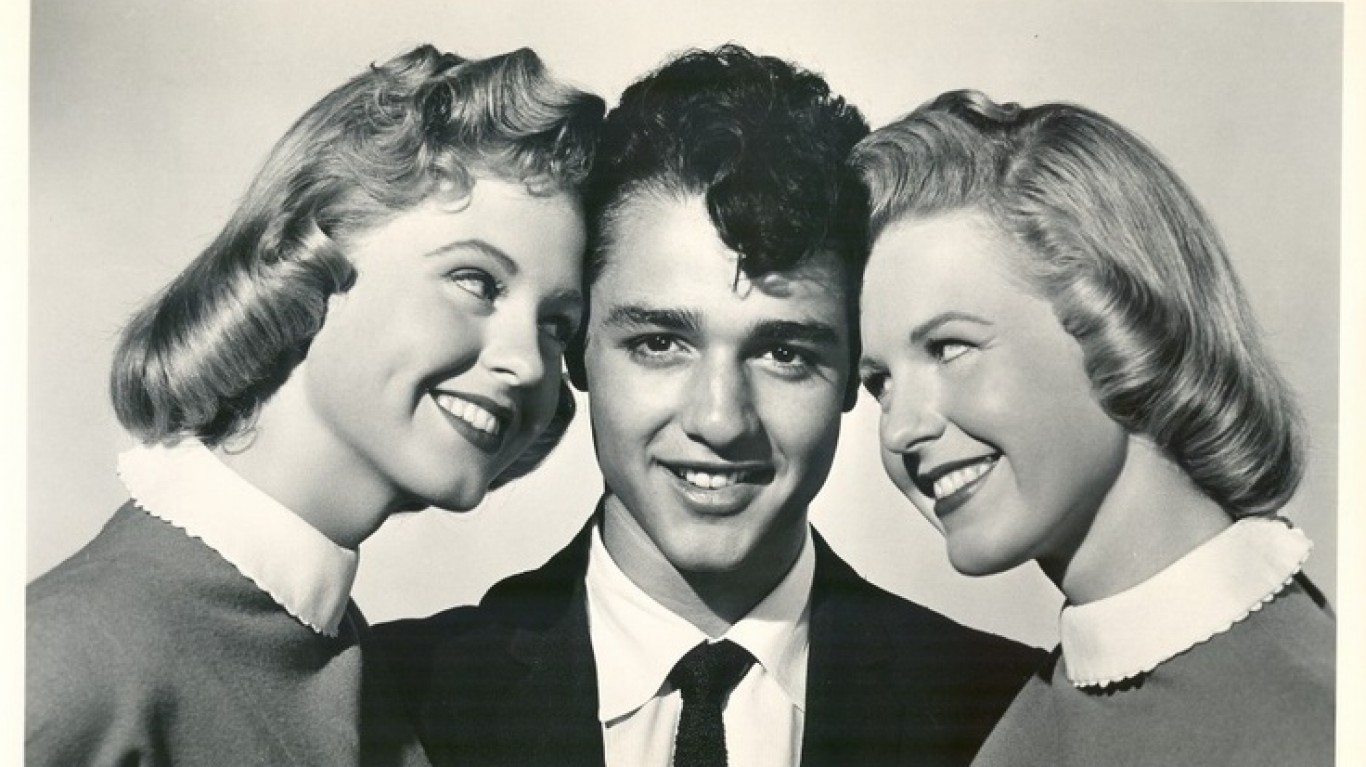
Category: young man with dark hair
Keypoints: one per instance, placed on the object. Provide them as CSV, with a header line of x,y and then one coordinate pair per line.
x,y
698,616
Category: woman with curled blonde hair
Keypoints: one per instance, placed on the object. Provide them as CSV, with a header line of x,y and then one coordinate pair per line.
x,y
378,328
1069,373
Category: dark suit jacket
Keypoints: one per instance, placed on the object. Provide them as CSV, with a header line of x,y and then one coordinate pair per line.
x,y
512,681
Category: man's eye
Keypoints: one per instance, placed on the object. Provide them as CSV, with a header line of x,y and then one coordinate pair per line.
x,y
653,347
655,344
476,282
786,355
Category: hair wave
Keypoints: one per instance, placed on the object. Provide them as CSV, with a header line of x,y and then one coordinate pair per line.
x,y
202,355
764,143
1134,268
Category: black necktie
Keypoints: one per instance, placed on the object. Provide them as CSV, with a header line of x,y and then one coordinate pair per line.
x,y
705,677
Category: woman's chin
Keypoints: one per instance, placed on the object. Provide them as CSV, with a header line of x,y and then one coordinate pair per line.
x,y
459,499
460,504
977,560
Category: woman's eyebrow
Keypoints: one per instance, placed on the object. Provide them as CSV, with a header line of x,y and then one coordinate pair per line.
x,y
927,327
483,246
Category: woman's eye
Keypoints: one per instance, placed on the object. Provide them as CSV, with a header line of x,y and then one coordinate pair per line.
x,y
477,283
875,384
947,351
561,329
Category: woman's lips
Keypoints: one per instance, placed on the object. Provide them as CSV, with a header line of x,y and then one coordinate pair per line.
x,y
950,490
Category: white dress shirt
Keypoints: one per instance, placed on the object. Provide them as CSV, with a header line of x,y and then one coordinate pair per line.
x,y
299,567
1219,583
637,641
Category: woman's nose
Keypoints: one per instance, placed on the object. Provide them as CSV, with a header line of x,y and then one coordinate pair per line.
x,y
513,351
911,417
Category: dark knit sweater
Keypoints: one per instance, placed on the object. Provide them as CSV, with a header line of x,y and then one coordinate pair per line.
x,y
1260,693
146,647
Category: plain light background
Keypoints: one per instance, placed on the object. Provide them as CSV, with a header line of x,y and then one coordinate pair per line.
x,y
147,120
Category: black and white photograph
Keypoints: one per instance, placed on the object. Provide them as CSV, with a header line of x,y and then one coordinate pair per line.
x,y
639,384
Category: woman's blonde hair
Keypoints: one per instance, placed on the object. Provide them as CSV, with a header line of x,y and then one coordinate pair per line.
x,y
203,355
1134,268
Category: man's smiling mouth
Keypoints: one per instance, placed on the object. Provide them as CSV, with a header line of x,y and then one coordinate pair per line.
x,y
719,479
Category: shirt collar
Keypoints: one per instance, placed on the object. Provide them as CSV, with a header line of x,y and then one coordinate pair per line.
x,y
643,639
299,567
1195,598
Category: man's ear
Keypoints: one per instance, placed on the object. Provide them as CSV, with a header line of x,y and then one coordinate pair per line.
x,y
851,392
854,383
573,359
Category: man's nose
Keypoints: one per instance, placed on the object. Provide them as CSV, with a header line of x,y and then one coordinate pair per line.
x,y
719,406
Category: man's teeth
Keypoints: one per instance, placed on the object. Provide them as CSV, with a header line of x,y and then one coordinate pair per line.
x,y
470,413
955,480
712,481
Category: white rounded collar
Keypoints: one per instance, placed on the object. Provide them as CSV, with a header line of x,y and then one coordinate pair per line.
x,y
300,568
1202,594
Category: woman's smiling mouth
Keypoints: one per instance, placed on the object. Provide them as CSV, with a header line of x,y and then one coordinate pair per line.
x,y
469,412
480,424
951,486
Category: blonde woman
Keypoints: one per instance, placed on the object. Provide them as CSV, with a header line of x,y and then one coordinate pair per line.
x,y
379,327
1069,374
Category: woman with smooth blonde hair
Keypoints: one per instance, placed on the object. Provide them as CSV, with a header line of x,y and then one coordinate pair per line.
x,y
1069,373
379,327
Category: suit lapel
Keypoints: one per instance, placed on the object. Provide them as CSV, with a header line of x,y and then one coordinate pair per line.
x,y
850,716
557,689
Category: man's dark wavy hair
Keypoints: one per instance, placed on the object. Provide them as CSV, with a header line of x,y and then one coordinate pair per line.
x,y
763,141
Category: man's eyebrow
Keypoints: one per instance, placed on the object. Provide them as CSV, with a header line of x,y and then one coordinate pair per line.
x,y
638,316
483,246
927,327
812,332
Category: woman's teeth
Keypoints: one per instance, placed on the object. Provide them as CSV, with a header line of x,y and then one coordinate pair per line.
x,y
470,413
955,480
